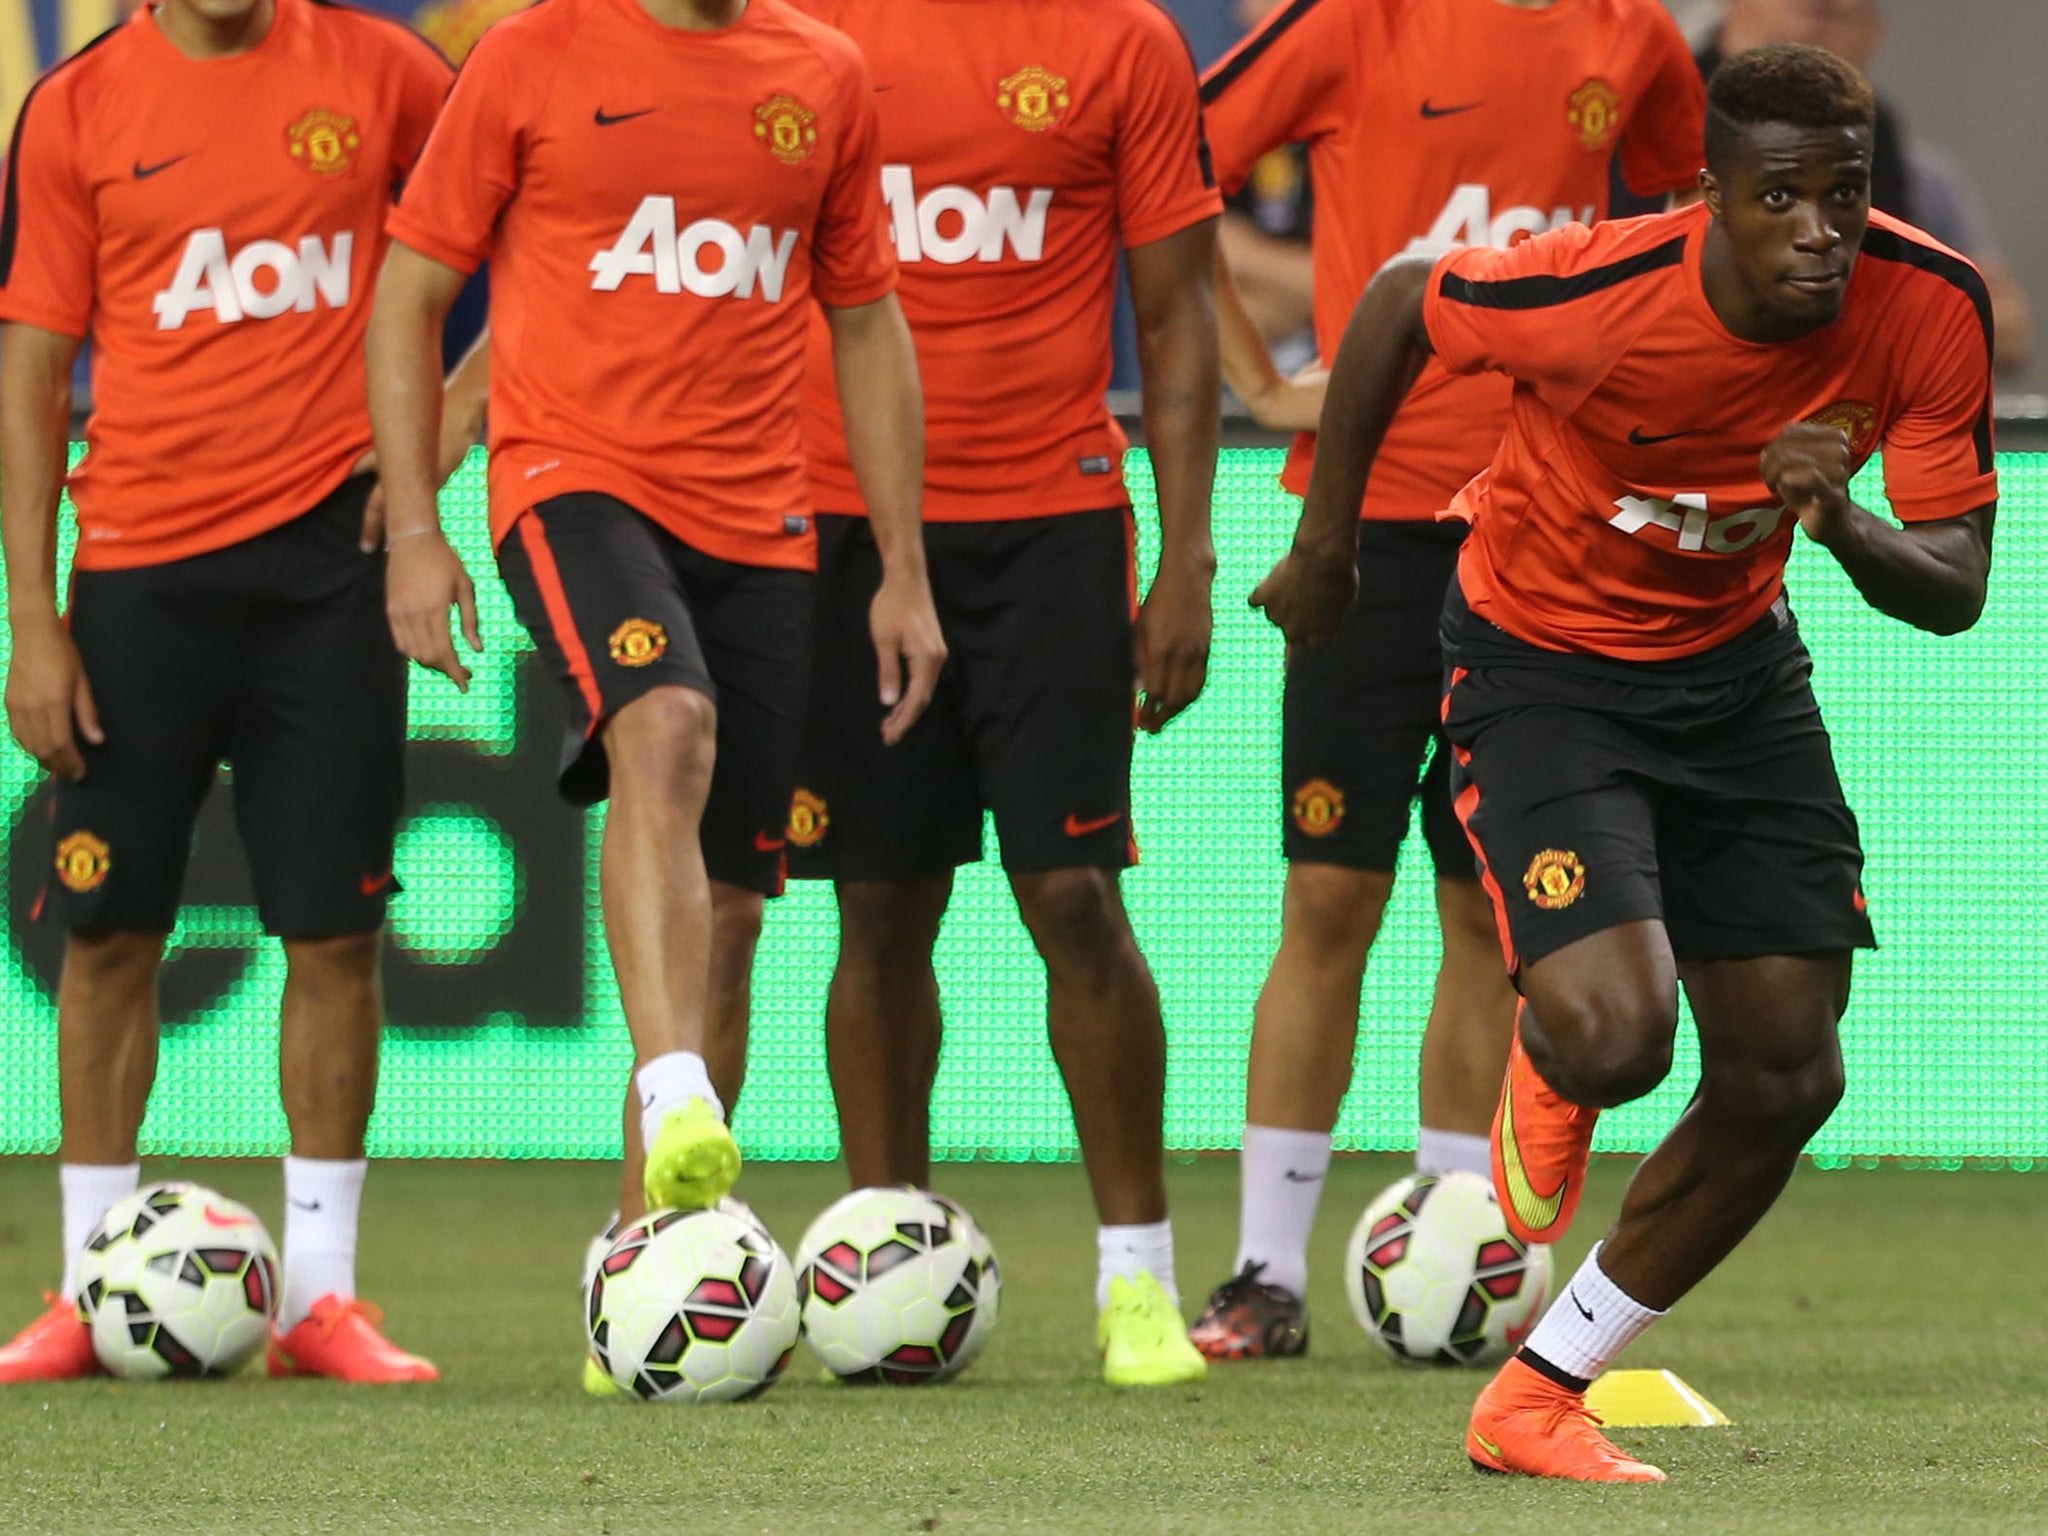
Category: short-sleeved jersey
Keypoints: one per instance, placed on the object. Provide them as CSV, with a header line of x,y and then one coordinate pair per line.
x,y
1439,123
216,225
1026,142
1625,513
658,206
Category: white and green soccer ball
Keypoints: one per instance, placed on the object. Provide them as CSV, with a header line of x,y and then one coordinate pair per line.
x,y
1436,1277
899,1285
692,1307
177,1280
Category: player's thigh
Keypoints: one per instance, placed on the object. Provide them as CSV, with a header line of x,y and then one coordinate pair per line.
x,y
864,811
591,580
163,658
1770,1047
1046,677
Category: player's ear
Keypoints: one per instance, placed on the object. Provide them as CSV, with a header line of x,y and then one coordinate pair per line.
x,y
1710,193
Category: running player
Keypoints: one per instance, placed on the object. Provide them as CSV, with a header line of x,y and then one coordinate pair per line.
x,y
1640,763
203,190
661,186
1026,141
1464,122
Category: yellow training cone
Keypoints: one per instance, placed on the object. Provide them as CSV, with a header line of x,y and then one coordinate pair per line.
x,y
1649,1400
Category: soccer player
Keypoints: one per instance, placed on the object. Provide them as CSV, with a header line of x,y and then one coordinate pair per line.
x,y
203,191
1026,142
1465,122
661,186
1640,762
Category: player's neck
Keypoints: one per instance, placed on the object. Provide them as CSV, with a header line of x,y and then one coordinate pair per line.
x,y
1746,314
199,36
1526,5
695,15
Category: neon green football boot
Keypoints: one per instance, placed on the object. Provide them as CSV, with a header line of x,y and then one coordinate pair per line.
x,y
597,1381
1143,1338
693,1163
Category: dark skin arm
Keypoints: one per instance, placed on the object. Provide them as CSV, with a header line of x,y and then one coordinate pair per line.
x,y
1383,349
1929,575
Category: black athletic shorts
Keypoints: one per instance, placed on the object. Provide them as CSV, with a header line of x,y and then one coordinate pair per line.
x,y
274,656
1032,718
1700,791
617,607
1363,713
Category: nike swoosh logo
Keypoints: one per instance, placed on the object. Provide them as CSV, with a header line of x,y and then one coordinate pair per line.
x,y
1301,1178
370,885
144,172
1487,1445
1638,439
304,1205
1584,1311
763,843
1079,828
1536,1211
214,1218
605,119
1433,113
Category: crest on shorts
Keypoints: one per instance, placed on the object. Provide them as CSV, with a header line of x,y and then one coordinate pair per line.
x,y
807,819
638,642
324,142
787,128
1854,419
1594,111
83,861
1034,98
1555,878
1319,808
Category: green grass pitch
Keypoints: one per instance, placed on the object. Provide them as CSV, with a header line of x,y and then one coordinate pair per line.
x,y
1881,1344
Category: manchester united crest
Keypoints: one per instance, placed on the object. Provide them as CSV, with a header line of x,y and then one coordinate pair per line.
x,y
1319,808
83,861
1854,419
786,128
807,819
324,142
1555,878
1034,98
638,643
1594,111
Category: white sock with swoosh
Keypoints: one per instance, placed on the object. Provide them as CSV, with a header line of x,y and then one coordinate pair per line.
x,y
321,1199
1592,1321
1280,1183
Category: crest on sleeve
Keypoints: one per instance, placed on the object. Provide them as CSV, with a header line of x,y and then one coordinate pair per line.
x,y
1854,419
1034,98
786,128
324,142
1594,112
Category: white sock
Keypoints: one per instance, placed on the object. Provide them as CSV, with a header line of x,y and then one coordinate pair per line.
x,y
1132,1251
90,1191
670,1081
1590,1324
1454,1152
321,1199
1280,1182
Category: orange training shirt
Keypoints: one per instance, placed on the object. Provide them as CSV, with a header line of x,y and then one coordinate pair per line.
x,y
216,225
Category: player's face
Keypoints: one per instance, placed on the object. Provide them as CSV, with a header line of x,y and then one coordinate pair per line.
x,y
1794,203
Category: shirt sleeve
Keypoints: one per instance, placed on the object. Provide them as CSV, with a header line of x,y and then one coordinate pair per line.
x,y
1663,143
852,261
48,240
423,81
1289,82
1164,181
469,168
1509,311
1937,450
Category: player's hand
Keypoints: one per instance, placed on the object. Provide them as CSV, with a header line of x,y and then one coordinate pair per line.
x,y
1170,645
1291,405
372,536
422,581
909,647
1307,593
49,702
1807,466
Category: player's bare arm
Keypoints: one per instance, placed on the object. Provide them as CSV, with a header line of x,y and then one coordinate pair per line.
x,y
883,404
1384,347
425,576
1171,292
1276,402
465,399
49,702
1931,575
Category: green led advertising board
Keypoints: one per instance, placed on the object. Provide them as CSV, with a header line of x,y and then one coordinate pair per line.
x,y
506,1038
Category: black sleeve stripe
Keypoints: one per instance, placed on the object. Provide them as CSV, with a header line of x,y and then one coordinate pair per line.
x,y
10,198
1890,245
1233,68
1544,291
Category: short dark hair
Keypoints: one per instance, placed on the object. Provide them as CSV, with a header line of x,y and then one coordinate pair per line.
x,y
1793,83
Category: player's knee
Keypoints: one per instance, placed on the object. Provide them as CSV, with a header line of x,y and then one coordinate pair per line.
x,y
1786,1101
107,960
890,924
1076,916
1335,912
337,958
736,918
664,742
1605,1046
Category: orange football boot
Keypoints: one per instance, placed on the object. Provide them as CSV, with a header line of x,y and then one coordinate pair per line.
x,y
1525,1422
1541,1146
341,1339
55,1347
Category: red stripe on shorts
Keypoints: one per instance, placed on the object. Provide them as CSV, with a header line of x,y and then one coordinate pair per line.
x,y
1466,804
554,598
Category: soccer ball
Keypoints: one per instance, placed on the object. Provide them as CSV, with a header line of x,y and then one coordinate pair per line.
x,y
692,1307
177,1280
600,1244
1436,1277
898,1285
